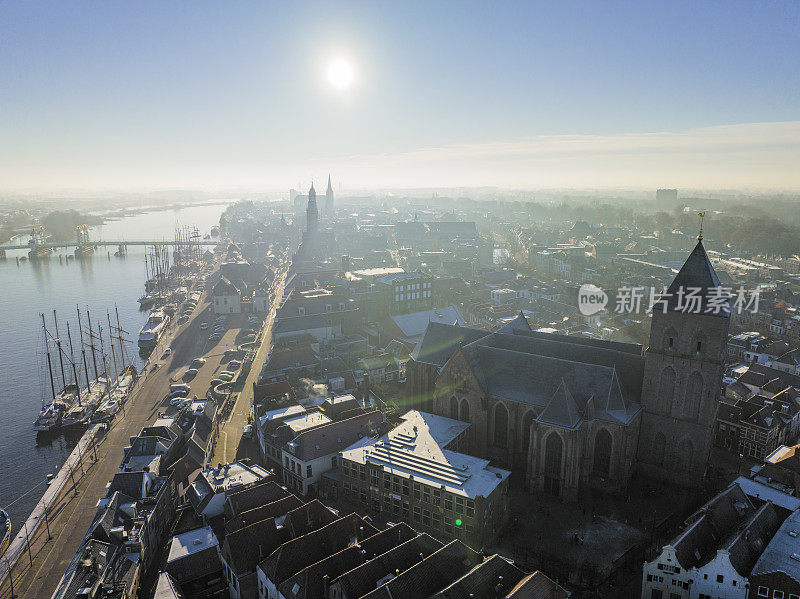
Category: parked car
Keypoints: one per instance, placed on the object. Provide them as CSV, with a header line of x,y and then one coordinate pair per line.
x,y
178,386
198,362
247,431
234,364
191,372
168,351
227,377
203,326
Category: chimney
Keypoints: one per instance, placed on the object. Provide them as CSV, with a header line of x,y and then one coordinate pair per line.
x,y
326,585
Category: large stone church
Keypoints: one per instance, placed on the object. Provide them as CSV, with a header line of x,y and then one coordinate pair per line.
x,y
571,413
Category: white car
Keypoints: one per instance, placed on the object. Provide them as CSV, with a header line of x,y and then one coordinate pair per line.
x,y
168,351
247,431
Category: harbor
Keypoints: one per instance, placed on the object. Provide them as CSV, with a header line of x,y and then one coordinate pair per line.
x,y
59,518
96,284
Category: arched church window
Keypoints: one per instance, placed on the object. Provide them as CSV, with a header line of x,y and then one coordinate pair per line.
x,y
602,453
454,408
553,452
464,413
694,396
500,425
666,390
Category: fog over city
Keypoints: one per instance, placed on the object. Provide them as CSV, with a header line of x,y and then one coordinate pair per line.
x,y
383,300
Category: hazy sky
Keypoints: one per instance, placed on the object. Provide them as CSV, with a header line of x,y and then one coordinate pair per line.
x,y
144,95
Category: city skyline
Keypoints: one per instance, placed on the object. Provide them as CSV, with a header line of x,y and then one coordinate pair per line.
x,y
523,96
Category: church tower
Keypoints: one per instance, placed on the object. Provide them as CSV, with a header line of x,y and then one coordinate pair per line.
x,y
312,214
329,199
684,364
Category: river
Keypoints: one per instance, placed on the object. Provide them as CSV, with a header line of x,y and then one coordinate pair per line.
x,y
30,288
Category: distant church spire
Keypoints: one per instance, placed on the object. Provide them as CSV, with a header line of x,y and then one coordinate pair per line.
x,y
329,198
312,214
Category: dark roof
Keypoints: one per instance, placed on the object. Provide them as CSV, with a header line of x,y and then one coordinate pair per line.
x,y
696,273
603,381
309,581
361,580
430,575
128,483
268,510
308,517
334,437
265,491
711,525
298,553
493,576
244,548
440,341
537,586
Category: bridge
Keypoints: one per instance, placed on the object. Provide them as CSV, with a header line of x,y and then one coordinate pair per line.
x,y
75,244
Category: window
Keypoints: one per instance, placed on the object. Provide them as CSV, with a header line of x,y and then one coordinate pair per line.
x,y
301,310
448,502
699,346
704,596
333,461
763,592
426,518
656,594
720,578
777,594
426,495
308,471
417,514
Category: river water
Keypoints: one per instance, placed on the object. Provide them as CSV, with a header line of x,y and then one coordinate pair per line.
x,y
31,288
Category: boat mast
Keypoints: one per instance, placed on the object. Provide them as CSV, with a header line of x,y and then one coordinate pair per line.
x,y
49,361
91,344
111,342
119,337
83,351
60,351
74,370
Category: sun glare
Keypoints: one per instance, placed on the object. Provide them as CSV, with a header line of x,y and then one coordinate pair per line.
x,y
340,73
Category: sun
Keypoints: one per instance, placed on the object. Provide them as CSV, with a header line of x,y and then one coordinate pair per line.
x,y
340,73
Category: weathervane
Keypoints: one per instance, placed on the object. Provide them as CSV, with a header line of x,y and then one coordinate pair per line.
x,y
702,215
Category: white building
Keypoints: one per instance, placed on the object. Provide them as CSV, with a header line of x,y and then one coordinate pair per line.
x,y
714,555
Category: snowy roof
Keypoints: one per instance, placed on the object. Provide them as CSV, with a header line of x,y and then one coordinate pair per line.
x,y
191,542
306,421
764,493
415,323
415,448
781,552
280,413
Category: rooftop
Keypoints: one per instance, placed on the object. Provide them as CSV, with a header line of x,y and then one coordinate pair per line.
x,y
415,448
191,542
306,421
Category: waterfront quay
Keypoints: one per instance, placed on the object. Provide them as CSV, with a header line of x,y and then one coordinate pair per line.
x,y
47,552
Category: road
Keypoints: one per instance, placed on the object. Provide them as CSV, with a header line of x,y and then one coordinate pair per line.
x,y
74,513
229,445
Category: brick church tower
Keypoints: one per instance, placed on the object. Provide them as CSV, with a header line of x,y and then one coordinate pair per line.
x,y
684,364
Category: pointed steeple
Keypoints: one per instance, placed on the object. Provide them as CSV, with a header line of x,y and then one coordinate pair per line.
x,y
696,273
330,187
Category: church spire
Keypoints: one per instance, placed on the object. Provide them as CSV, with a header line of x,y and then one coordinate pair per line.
x,y
329,183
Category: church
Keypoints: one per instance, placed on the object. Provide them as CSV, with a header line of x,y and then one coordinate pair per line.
x,y
571,413
317,243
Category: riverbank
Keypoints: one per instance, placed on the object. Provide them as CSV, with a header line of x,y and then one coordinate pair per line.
x,y
49,558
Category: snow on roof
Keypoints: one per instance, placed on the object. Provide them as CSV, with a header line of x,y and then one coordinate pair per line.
x,y
280,413
415,323
765,493
415,448
191,542
306,421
